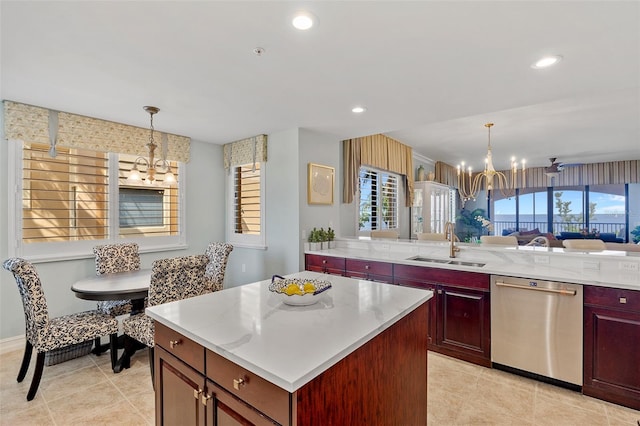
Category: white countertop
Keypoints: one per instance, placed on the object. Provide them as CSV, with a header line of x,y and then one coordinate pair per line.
x,y
289,345
606,268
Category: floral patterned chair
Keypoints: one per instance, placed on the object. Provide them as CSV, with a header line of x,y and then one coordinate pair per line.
x,y
46,334
114,258
171,279
111,259
218,254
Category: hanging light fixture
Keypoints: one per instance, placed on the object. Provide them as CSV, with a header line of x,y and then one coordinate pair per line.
x,y
489,179
152,165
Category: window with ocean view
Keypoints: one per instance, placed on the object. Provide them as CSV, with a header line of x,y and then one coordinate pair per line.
x,y
592,209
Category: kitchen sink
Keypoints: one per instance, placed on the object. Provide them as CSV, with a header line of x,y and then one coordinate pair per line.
x,y
463,263
427,259
447,262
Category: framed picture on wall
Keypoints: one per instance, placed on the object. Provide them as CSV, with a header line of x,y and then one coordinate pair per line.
x,y
320,184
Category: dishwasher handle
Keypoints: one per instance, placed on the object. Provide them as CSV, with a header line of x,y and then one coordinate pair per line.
x,y
560,291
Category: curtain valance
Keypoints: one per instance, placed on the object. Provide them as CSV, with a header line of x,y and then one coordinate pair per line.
x,y
245,151
32,124
609,173
378,151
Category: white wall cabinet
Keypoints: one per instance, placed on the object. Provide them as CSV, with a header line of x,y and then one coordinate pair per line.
x,y
433,206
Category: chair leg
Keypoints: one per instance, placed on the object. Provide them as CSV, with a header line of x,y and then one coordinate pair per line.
x,y
151,367
97,347
113,349
125,359
26,359
37,375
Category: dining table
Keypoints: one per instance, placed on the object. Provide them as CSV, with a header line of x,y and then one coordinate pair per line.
x,y
130,285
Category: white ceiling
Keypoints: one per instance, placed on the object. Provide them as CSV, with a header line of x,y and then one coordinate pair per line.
x,y
430,73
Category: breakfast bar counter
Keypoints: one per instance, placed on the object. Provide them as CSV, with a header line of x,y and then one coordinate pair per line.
x,y
363,339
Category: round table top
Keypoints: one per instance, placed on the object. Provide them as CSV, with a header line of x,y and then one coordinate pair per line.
x,y
122,285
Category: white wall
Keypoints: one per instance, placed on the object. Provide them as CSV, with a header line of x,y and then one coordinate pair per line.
x,y
321,149
205,219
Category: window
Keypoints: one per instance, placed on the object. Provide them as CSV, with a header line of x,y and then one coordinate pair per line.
x,y
378,200
81,198
565,209
525,212
246,206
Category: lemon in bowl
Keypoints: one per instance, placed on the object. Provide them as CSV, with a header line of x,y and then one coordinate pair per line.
x,y
298,291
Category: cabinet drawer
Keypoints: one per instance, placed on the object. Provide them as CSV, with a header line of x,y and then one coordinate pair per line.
x,y
254,390
366,266
628,300
409,273
176,344
325,262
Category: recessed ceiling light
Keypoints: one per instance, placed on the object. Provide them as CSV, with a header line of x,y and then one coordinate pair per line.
x,y
547,61
303,21
358,109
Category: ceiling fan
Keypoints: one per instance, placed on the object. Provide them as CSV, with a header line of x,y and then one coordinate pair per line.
x,y
553,171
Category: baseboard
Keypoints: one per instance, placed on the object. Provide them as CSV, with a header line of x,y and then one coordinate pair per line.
x,y
11,344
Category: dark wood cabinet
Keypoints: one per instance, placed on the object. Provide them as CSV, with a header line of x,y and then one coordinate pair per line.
x,y
325,264
369,270
460,320
612,345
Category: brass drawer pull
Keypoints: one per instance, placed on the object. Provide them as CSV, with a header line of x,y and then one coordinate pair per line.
x,y
237,383
623,300
174,343
205,399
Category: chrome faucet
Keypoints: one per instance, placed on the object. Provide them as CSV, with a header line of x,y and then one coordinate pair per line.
x,y
449,231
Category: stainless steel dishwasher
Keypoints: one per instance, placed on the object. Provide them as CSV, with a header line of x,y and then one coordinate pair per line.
x,y
536,327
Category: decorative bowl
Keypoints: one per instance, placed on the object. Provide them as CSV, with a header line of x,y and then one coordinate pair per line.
x,y
305,295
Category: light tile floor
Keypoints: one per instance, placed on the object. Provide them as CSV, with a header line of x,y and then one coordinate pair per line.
x,y
84,391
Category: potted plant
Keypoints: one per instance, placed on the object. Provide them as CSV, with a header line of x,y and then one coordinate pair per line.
x,y
322,237
314,240
331,235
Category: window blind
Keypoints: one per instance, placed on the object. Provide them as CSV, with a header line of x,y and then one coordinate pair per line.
x,y
64,198
247,200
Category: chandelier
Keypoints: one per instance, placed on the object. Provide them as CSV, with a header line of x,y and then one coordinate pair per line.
x,y
489,179
152,165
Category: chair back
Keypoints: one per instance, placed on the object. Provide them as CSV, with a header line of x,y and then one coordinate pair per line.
x,y
432,236
584,244
218,255
384,234
36,314
503,241
114,258
177,278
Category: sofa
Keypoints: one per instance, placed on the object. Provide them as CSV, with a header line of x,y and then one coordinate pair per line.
x,y
607,237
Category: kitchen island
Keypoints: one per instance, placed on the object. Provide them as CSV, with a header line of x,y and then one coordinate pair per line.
x,y
356,356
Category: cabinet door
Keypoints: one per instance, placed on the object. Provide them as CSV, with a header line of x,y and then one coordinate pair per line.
x,y
224,409
178,391
409,276
463,324
611,355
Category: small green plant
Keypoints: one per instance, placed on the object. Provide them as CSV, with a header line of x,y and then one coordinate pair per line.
x,y
322,235
313,236
636,234
331,235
